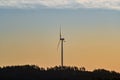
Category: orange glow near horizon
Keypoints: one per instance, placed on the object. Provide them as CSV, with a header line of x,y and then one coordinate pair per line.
x,y
89,51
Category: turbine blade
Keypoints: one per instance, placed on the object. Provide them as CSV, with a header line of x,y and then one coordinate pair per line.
x,y
58,45
60,32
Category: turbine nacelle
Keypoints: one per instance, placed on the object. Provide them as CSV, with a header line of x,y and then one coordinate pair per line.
x,y
62,39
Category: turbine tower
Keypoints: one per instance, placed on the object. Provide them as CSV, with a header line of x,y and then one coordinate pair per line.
x,y
62,47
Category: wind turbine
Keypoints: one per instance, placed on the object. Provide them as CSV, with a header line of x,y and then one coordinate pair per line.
x,y
61,40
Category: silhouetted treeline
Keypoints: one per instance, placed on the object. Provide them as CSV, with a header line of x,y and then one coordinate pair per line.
x,y
33,72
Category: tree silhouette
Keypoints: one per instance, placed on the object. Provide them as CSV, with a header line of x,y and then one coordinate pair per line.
x,y
33,72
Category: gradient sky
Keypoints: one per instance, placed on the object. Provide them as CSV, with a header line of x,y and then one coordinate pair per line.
x,y
29,33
